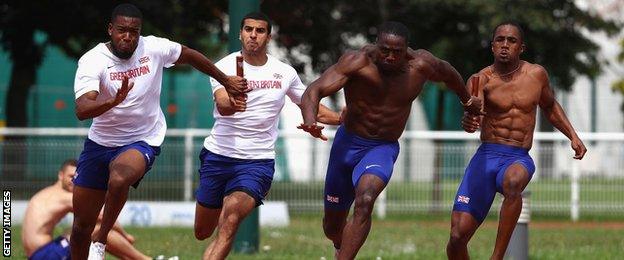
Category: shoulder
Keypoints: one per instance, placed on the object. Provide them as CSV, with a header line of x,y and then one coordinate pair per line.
x,y
535,70
95,55
483,73
422,60
282,66
229,58
151,39
354,60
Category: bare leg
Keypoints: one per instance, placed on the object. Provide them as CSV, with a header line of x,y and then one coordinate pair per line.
x,y
211,245
206,220
334,222
357,228
463,227
125,170
120,247
87,204
236,207
516,179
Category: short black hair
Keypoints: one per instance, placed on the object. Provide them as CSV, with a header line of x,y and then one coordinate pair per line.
x,y
512,23
257,16
128,10
396,28
68,162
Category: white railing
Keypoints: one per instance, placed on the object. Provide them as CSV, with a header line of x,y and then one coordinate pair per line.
x,y
560,183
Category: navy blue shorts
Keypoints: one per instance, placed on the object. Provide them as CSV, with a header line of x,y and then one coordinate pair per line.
x,y
220,175
484,177
92,171
351,157
57,249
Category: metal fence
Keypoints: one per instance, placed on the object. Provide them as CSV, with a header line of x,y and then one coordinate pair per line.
x,y
425,177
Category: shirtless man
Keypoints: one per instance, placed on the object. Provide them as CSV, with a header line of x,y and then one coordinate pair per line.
x,y
511,89
381,82
46,209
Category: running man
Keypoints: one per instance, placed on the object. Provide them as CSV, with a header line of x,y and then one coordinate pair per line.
x,y
511,89
237,160
118,85
48,207
381,82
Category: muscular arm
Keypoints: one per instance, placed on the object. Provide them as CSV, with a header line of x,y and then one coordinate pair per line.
x,y
233,84
87,105
326,115
441,71
555,114
330,82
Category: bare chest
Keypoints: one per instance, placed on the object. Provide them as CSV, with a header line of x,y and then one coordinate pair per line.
x,y
501,96
389,90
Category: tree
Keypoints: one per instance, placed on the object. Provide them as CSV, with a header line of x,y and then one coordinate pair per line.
x,y
457,31
618,86
76,26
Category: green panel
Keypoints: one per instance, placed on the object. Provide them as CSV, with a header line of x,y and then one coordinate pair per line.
x,y
5,74
451,118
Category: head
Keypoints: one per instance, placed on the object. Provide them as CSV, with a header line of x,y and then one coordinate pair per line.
x,y
255,33
125,29
392,41
507,42
66,174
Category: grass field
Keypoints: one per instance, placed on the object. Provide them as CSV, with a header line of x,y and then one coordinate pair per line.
x,y
393,238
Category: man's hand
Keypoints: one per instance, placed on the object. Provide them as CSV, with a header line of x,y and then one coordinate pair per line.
x,y
314,130
122,93
474,105
579,148
238,102
470,122
236,85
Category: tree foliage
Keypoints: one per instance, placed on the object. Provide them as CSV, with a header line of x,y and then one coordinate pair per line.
x,y
458,31
618,86
76,26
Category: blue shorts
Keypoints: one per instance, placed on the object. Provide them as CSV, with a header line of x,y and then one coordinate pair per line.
x,y
92,171
220,175
57,249
351,157
484,177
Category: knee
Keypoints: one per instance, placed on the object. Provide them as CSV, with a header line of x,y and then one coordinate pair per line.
x,y
203,233
457,238
513,189
119,180
82,228
364,205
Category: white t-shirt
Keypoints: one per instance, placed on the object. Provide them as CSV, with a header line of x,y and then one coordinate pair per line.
x,y
252,134
138,117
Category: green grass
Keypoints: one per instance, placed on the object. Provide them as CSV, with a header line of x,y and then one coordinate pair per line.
x,y
398,237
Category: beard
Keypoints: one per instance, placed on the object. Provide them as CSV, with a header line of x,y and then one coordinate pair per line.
x,y
121,54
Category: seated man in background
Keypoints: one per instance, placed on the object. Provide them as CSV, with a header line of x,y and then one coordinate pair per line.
x,y
46,209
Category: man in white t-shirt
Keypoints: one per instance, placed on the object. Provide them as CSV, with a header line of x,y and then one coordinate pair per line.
x,y
118,84
237,161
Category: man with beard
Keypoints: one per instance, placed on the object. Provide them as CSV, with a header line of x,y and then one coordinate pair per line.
x,y
118,85
238,158
380,82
